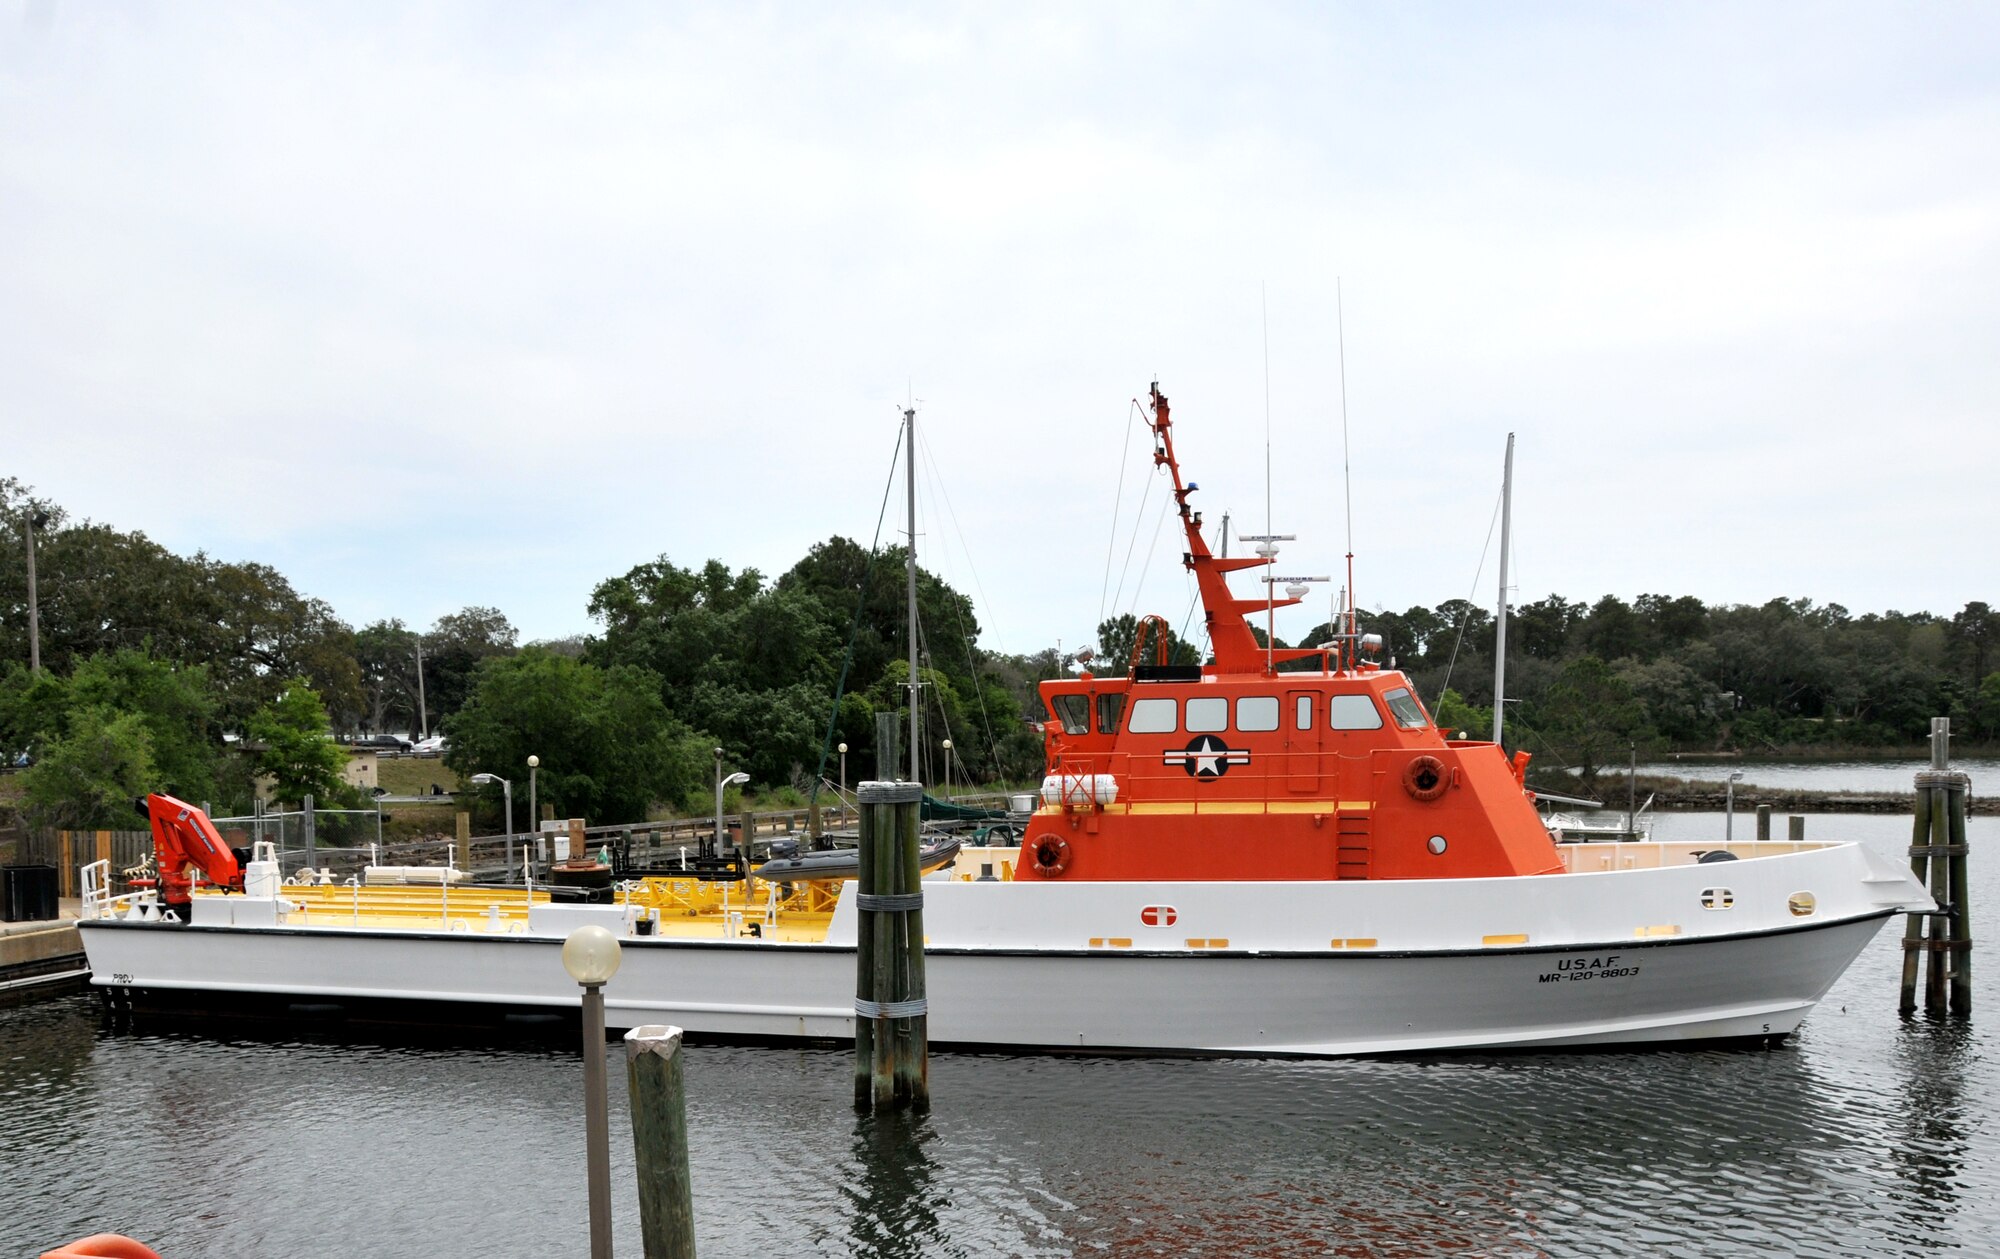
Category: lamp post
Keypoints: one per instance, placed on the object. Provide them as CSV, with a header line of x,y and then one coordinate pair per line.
x,y
590,955
36,519
506,789
720,784
947,769
1729,808
843,772
534,817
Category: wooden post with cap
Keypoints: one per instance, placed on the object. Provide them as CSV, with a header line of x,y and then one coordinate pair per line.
x,y
891,1020
659,1140
1938,852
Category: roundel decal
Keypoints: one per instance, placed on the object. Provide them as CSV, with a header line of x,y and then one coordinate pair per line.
x,y
1207,757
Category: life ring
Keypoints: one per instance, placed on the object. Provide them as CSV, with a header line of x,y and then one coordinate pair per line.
x,y
1051,857
1425,779
103,1246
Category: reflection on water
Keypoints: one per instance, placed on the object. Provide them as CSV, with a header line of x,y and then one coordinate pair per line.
x,y
892,1208
1930,1139
1864,1136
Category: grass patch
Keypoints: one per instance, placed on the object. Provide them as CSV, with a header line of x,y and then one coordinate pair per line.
x,y
413,775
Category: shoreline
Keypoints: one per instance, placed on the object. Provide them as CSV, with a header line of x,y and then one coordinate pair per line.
x,y
1680,795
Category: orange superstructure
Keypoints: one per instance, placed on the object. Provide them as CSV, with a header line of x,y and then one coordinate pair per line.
x,y
1242,770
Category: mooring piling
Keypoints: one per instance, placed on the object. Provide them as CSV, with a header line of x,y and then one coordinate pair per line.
x,y
1940,942
891,1020
659,1140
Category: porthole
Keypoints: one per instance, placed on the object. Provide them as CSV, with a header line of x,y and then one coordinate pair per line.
x,y
1802,904
1436,845
1717,898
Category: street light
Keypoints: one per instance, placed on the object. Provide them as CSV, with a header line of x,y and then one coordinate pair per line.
x,y
947,769
1729,814
36,519
534,818
721,783
507,789
843,772
590,955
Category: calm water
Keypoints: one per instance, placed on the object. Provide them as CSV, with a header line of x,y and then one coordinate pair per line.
x,y
1816,776
1863,1136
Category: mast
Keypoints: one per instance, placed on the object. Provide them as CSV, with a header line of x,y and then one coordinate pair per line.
x,y
1229,635
1500,619
910,481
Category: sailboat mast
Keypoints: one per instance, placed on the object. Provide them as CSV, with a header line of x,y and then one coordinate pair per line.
x,y
910,481
1500,615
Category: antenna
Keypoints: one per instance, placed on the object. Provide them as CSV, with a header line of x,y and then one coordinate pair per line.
x,y
1264,306
1346,467
1267,546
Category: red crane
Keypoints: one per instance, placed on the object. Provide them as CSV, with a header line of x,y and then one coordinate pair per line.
x,y
182,837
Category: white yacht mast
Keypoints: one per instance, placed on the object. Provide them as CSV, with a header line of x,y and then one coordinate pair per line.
x,y
910,480
1500,616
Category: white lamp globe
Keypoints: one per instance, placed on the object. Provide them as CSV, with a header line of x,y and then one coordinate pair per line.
x,y
534,761
590,955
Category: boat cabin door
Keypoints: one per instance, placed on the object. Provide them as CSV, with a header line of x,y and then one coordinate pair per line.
x,y
1302,720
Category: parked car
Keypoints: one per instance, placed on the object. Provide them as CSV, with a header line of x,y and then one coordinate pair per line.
x,y
383,743
433,746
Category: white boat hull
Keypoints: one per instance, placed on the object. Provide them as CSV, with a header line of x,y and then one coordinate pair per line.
x,y
1243,968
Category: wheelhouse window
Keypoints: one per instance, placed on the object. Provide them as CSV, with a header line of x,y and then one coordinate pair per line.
x,y
1155,716
1409,713
1257,712
1352,712
1109,709
1211,713
1074,713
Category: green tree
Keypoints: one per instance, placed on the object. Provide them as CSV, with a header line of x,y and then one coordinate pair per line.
x,y
88,778
1542,629
386,654
174,702
1589,716
1677,703
295,749
1986,709
1453,714
1115,640
609,749
453,652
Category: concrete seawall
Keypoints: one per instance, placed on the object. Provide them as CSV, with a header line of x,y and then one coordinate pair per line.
x,y
39,959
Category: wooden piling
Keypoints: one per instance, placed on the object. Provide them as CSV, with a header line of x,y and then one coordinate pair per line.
x,y
913,1058
1763,821
1938,853
891,1023
1913,925
1795,828
1956,854
659,1140
1939,941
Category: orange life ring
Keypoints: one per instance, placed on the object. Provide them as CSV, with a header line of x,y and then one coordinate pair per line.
x,y
103,1246
1425,778
1051,857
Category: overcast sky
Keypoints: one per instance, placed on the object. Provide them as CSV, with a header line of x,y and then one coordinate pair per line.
x,y
483,304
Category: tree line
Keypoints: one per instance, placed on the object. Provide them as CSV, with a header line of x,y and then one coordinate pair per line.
x,y
194,675
1587,682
